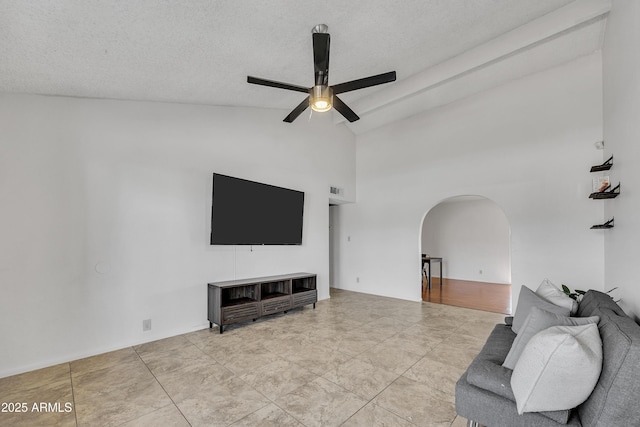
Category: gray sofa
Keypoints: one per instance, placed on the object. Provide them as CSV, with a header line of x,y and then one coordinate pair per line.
x,y
484,395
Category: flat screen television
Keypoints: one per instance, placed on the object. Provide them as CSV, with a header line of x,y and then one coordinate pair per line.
x,y
250,213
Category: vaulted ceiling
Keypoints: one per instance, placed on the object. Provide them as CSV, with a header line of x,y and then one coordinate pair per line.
x,y
201,51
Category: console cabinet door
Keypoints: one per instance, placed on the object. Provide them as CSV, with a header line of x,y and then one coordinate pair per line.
x,y
239,313
305,298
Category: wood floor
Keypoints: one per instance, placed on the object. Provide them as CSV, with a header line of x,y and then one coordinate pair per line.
x,y
493,297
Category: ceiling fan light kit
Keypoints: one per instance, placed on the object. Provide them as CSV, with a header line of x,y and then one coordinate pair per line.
x,y
322,97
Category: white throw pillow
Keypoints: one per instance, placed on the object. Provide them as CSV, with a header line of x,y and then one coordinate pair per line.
x,y
553,294
528,299
558,369
539,320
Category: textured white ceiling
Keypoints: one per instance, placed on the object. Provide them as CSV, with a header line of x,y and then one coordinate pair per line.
x,y
200,51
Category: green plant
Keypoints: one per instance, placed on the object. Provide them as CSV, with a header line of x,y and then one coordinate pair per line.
x,y
574,295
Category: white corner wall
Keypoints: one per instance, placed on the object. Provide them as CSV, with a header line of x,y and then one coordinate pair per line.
x,y
106,210
621,73
472,236
527,145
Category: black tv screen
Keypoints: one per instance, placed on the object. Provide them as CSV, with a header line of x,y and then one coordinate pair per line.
x,y
250,213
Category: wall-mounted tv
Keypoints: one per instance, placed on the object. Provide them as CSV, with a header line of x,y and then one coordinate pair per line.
x,y
250,213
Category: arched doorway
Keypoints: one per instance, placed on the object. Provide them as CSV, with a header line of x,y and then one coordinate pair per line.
x,y
472,235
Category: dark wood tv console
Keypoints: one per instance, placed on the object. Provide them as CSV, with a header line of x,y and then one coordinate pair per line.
x,y
247,299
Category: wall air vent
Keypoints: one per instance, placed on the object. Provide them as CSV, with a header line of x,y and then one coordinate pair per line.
x,y
336,191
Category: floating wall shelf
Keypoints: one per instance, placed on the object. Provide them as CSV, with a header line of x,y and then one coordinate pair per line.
x,y
607,225
606,193
603,167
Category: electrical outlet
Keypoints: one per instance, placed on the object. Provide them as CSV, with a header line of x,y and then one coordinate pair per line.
x,y
146,325
480,271
357,280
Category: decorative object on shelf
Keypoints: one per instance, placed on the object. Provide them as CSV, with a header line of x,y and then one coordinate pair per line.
x,y
607,194
601,183
605,226
603,167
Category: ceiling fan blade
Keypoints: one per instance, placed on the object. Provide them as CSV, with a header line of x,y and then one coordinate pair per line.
x,y
321,58
297,111
365,82
342,108
279,85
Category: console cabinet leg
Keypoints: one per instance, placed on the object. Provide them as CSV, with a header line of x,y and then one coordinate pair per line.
x,y
221,328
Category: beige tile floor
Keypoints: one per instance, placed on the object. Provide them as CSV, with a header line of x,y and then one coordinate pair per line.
x,y
356,360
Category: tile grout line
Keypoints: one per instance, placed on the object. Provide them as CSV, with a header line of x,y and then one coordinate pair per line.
x,y
272,400
399,328
370,401
398,377
234,374
73,396
161,386
266,397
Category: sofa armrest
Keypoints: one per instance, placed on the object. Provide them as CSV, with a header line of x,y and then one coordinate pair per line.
x,y
491,376
486,370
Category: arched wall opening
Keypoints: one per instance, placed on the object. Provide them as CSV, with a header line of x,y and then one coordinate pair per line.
x,y
472,236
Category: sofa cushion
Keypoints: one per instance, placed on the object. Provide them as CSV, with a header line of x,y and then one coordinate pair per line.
x,y
593,300
558,368
528,299
553,294
614,401
537,321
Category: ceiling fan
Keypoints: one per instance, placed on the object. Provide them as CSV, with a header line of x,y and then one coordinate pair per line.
x,y
322,96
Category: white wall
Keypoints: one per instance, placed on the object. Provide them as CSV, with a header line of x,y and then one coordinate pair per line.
x,y
106,211
526,145
621,72
471,234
